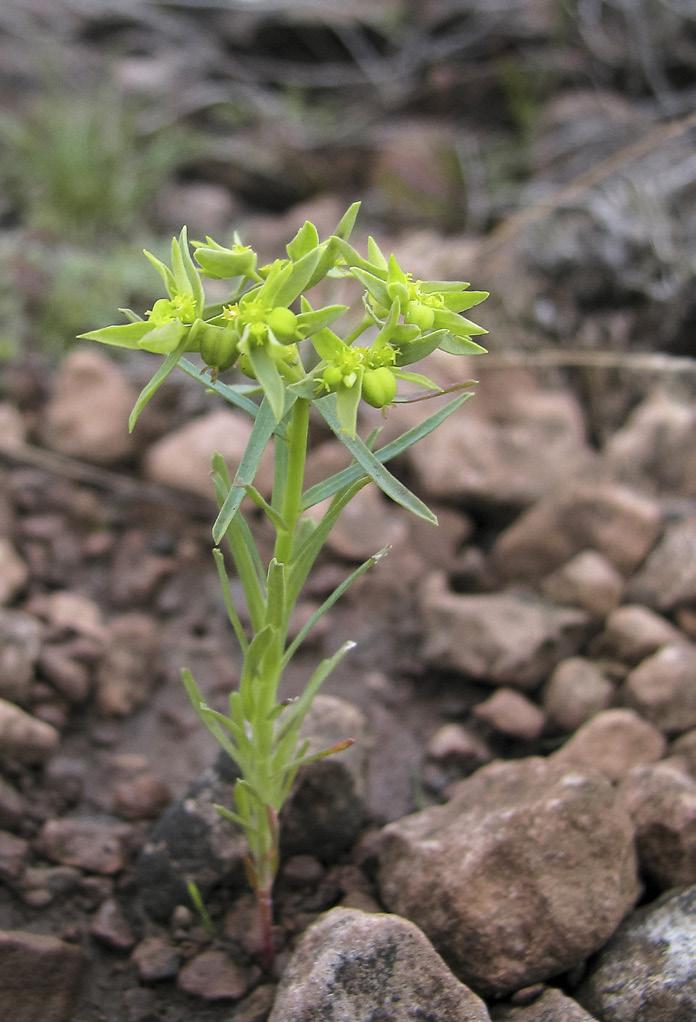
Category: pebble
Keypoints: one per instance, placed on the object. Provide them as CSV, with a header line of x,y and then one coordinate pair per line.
x,y
633,632
23,737
39,976
142,797
127,675
458,745
156,960
213,976
14,852
20,644
511,714
70,677
14,573
588,580
97,846
662,688
613,741
575,692
111,927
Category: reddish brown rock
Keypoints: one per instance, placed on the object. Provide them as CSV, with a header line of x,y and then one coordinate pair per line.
x,y
511,714
632,633
523,874
14,852
110,926
506,638
87,416
575,692
97,846
551,1006
182,458
578,515
213,976
613,741
20,643
588,580
257,1006
127,675
453,743
663,688
23,737
156,960
668,577
14,573
71,678
661,801
685,748
39,977
354,965
142,797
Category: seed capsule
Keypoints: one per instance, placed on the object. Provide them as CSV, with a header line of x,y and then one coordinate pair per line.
x,y
283,323
332,377
379,387
420,315
219,346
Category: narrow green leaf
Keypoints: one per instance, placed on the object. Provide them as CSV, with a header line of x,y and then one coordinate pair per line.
x,y
418,378
347,476
297,279
269,377
229,601
466,300
122,335
375,254
457,325
191,272
327,344
387,483
461,346
198,704
329,602
231,394
275,587
183,284
234,818
164,272
293,719
373,285
311,321
344,227
347,402
415,351
260,501
155,382
304,241
131,316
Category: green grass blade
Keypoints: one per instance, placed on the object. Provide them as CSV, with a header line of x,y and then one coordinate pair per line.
x,y
337,482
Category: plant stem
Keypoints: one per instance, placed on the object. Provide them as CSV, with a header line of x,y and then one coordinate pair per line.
x,y
292,493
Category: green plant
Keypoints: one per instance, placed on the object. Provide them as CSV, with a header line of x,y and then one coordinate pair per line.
x,y
263,327
77,166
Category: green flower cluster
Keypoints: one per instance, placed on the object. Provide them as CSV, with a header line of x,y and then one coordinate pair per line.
x,y
260,329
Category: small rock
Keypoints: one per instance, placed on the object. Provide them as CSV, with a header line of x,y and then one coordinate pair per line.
x,y
647,969
458,745
575,692
302,870
41,885
551,1006
588,580
13,808
654,450
354,965
663,688
613,741
14,573
71,678
213,976
142,797
156,960
367,524
615,521
23,737
257,1006
20,643
72,613
182,458
39,976
632,633
127,675
684,747
668,577
12,426
241,924
522,875
500,639
511,714
87,416
661,801
518,441
13,857
97,846
110,926
326,810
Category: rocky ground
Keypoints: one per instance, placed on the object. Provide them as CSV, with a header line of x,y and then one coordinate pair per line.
x,y
521,797
522,794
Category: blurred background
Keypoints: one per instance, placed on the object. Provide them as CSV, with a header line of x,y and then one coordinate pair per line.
x,y
543,147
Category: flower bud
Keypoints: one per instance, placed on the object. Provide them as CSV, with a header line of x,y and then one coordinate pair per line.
x,y
332,377
283,324
379,387
219,346
397,289
420,315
